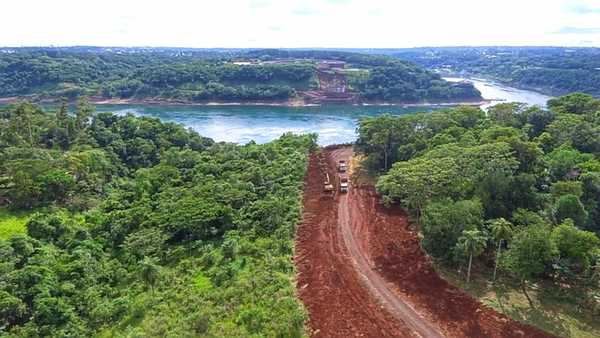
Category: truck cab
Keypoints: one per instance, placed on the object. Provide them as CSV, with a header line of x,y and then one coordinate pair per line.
x,y
344,184
342,166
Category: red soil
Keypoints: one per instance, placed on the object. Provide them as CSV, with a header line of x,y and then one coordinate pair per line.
x,y
361,272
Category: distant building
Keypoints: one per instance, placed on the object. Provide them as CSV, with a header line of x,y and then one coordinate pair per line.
x,y
331,64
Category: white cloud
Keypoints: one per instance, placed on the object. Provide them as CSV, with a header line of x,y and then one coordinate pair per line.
x,y
297,23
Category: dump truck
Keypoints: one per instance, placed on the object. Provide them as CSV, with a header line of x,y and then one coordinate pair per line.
x,y
344,183
342,166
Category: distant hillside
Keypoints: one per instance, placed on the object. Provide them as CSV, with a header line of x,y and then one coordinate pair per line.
x,y
554,70
189,75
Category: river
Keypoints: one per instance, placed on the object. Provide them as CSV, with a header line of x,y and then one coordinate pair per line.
x,y
498,93
334,124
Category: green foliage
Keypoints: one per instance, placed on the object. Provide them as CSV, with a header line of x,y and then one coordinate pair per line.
x,y
471,243
444,222
574,245
576,103
564,161
149,272
577,130
201,78
416,182
591,199
570,207
501,229
502,194
531,253
562,188
525,218
12,223
506,114
458,170
558,70
149,230
203,283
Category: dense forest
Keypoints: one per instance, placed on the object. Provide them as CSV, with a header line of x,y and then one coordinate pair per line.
x,y
203,77
555,70
516,190
136,227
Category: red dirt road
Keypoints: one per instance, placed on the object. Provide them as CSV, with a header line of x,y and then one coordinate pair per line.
x,y
361,272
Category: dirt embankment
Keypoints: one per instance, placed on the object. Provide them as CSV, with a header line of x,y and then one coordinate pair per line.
x,y
362,272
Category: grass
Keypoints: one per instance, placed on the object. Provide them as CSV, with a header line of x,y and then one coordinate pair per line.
x,y
556,310
12,223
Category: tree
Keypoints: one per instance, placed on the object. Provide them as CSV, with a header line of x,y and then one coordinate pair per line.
x,y
569,206
576,130
471,243
501,230
55,185
574,245
82,115
149,272
63,125
47,227
530,255
146,243
563,161
524,218
575,103
591,198
445,221
382,135
506,113
12,309
417,181
538,118
22,124
562,188
502,194
53,311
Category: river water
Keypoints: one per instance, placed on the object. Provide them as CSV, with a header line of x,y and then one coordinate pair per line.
x,y
497,93
333,124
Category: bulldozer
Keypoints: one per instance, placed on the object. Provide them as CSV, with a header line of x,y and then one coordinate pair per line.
x,y
327,185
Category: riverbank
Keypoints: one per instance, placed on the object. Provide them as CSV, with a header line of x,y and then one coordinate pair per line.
x,y
296,102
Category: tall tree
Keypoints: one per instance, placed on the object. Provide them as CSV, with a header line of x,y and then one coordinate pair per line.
x,y
501,231
471,243
149,272
83,114
530,255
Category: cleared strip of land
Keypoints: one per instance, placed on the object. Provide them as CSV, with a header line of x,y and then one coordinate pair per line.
x,y
362,273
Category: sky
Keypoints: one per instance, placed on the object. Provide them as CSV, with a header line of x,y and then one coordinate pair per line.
x,y
302,23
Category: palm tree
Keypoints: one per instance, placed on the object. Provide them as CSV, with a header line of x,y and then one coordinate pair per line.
x,y
471,243
501,231
149,272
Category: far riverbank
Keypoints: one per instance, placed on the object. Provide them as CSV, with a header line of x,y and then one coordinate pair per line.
x,y
284,103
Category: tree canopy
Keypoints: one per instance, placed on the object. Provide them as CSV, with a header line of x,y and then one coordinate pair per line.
x,y
144,228
525,178
245,76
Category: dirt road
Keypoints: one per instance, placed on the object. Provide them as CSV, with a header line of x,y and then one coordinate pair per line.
x,y
362,273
